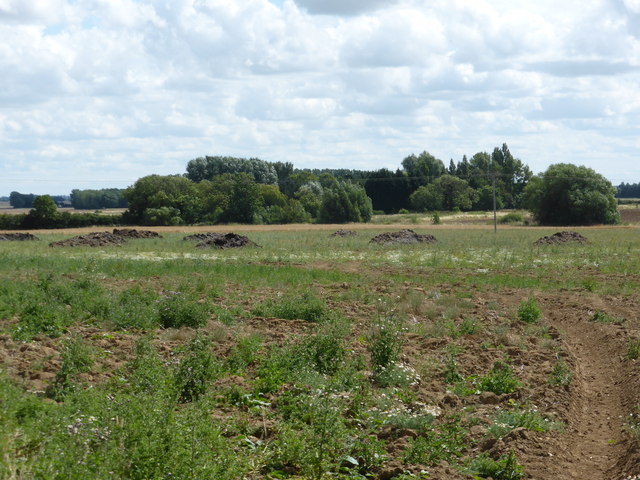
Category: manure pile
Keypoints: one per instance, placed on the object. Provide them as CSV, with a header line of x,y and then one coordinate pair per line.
x,y
402,237
95,239
17,237
561,238
221,240
343,233
133,233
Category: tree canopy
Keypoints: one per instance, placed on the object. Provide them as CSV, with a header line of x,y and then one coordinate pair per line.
x,y
567,194
206,168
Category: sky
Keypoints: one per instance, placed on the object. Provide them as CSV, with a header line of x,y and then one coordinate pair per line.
x,y
98,93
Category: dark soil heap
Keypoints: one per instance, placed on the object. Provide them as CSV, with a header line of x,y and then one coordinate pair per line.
x,y
95,239
17,237
560,238
343,233
221,240
402,237
133,233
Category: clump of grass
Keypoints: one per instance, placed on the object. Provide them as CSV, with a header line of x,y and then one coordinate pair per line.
x,y
602,317
633,349
529,311
504,468
561,374
177,310
499,380
505,421
306,306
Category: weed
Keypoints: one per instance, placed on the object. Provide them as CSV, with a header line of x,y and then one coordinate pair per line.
x,y
499,380
176,310
602,317
37,318
301,307
134,309
77,357
505,421
561,374
384,343
634,423
451,374
469,326
196,370
504,468
243,354
444,442
529,311
633,349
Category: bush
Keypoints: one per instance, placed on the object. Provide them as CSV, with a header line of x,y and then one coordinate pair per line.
x,y
529,311
569,195
176,310
510,218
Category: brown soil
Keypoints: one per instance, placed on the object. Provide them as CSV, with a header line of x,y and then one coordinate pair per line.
x,y
17,237
95,239
402,237
344,233
560,238
219,240
133,233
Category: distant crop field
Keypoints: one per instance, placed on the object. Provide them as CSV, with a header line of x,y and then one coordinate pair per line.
x,y
316,356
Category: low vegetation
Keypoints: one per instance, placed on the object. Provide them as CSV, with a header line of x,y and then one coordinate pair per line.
x,y
309,358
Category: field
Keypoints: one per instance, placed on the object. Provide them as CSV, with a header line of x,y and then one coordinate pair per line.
x,y
311,357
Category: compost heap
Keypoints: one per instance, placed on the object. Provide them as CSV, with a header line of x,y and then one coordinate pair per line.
x,y
220,240
561,238
95,239
402,237
343,233
17,237
133,233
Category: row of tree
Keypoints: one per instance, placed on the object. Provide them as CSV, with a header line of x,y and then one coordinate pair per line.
x,y
218,189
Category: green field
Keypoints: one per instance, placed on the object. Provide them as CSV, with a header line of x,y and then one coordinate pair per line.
x,y
314,357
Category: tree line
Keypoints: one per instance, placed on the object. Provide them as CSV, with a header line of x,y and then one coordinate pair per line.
x,y
222,189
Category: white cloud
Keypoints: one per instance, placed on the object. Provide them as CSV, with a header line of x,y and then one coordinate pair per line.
x,y
109,90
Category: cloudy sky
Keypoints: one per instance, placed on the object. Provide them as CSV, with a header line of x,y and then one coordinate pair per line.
x,y
97,93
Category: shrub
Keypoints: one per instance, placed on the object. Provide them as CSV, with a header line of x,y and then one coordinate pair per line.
x,y
177,310
511,218
529,311
499,380
435,219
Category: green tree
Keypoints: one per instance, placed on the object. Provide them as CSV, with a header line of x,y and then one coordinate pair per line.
x,y
167,194
206,168
424,165
570,195
345,202
43,214
445,193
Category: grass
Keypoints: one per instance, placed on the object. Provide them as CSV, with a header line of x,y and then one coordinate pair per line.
x,y
306,358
